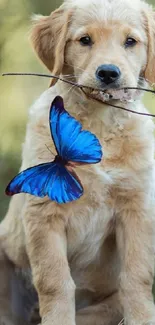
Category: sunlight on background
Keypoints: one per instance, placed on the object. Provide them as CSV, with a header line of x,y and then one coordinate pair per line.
x,y
18,93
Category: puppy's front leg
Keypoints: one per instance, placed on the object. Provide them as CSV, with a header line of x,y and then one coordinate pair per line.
x,y
134,227
47,250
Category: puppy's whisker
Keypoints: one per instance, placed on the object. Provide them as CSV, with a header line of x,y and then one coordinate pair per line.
x,y
121,322
69,90
72,66
146,80
70,76
91,78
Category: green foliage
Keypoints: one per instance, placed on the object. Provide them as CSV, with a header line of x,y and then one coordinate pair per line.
x,y
18,93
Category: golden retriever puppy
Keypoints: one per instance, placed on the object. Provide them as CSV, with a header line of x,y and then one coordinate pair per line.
x,y
92,260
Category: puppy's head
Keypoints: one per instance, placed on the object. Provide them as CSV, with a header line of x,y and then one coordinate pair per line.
x,y
107,44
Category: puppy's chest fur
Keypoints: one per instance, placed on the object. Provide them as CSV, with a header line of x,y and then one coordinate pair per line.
x,y
109,187
123,173
91,244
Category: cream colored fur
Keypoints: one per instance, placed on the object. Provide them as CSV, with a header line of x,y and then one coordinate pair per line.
x,y
98,251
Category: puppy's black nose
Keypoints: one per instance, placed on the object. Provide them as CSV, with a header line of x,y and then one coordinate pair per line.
x,y
108,73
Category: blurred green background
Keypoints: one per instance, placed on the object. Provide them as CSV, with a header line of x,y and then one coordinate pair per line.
x,y
18,93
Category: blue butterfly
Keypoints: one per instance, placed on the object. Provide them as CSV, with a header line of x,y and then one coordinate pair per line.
x,y
57,179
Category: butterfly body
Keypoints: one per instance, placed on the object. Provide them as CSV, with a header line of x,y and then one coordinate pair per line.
x,y
57,179
60,160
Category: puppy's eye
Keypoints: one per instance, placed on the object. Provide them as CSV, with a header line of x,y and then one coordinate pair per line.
x,y
86,40
130,42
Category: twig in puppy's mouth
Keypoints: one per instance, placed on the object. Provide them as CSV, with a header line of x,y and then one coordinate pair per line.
x,y
120,107
102,96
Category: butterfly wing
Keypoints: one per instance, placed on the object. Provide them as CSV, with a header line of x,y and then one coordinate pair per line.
x,y
66,187
32,180
59,119
51,179
72,143
85,149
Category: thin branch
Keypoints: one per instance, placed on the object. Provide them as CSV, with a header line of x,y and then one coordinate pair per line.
x,y
120,107
82,87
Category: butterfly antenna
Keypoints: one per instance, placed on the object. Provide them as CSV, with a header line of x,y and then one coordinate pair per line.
x,y
49,150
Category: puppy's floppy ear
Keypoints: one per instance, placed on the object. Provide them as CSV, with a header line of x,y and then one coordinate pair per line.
x,y
150,28
49,37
